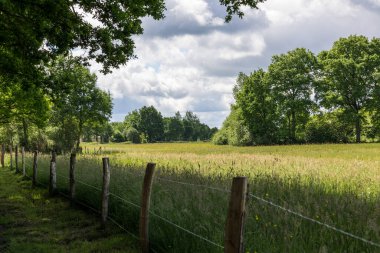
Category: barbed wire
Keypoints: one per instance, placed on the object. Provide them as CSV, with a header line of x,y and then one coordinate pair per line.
x,y
315,221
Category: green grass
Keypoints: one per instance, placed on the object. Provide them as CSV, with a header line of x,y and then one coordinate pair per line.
x,y
30,221
335,184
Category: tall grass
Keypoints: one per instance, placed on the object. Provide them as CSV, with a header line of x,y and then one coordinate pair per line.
x,y
335,184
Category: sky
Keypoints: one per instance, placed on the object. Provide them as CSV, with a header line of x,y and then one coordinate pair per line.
x,y
189,61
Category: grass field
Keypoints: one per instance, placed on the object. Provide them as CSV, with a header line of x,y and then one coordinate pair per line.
x,y
335,184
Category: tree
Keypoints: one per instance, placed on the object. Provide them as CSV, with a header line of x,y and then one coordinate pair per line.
x,y
151,124
23,105
133,119
191,126
234,131
37,31
348,77
291,77
254,98
173,128
77,100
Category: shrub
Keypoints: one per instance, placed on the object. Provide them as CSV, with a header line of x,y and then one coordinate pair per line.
x,y
133,135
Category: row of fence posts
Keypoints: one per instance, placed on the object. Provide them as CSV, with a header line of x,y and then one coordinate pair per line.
x,y
234,227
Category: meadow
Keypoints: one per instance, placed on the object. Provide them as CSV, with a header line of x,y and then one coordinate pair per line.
x,y
338,185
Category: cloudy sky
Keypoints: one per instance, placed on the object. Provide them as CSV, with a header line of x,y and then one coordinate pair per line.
x,y
190,60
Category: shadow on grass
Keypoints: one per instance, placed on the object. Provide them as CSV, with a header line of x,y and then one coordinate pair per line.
x,y
202,210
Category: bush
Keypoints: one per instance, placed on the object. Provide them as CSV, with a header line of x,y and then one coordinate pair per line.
x,y
326,129
133,135
220,138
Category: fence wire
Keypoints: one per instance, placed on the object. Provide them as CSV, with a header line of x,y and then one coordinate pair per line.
x,y
193,185
375,244
315,221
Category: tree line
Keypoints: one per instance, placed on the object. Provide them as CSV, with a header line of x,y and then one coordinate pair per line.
x,y
56,113
47,97
148,125
302,97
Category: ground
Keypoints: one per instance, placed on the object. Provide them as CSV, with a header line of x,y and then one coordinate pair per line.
x,y
31,221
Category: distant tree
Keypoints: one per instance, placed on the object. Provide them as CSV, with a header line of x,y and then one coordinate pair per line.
x,y
254,97
191,125
133,119
348,77
173,128
151,124
291,76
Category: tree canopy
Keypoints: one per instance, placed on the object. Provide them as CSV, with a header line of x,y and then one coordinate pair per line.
x,y
37,31
332,97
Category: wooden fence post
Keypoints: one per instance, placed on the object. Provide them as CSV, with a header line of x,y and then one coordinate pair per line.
x,y
105,190
16,158
34,177
72,179
11,156
23,161
233,238
145,203
53,175
2,155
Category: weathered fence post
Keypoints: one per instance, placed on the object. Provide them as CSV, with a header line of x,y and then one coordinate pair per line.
x,y
16,158
145,203
2,155
105,190
11,156
23,161
53,175
72,179
34,177
233,237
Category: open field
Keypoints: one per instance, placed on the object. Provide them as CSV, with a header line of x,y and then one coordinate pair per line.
x,y
338,185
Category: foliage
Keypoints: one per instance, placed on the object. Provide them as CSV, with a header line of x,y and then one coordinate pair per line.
x,y
291,78
133,135
173,128
254,97
327,128
37,31
77,102
347,77
277,105
233,132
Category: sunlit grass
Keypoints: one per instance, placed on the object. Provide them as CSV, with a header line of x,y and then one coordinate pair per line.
x,y
335,184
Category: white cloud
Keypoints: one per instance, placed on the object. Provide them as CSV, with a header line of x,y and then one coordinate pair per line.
x,y
190,60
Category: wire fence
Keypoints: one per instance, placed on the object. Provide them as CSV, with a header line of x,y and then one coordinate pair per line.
x,y
172,223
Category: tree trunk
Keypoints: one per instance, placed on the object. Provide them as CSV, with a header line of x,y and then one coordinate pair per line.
x,y
25,137
358,128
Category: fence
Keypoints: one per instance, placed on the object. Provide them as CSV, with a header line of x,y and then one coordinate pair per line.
x,y
234,223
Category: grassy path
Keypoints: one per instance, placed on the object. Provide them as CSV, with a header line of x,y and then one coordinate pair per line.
x,y
30,221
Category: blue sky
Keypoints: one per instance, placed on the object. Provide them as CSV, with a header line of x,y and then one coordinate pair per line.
x,y
190,60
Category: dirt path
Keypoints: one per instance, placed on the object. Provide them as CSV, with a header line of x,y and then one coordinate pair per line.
x,y
30,221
